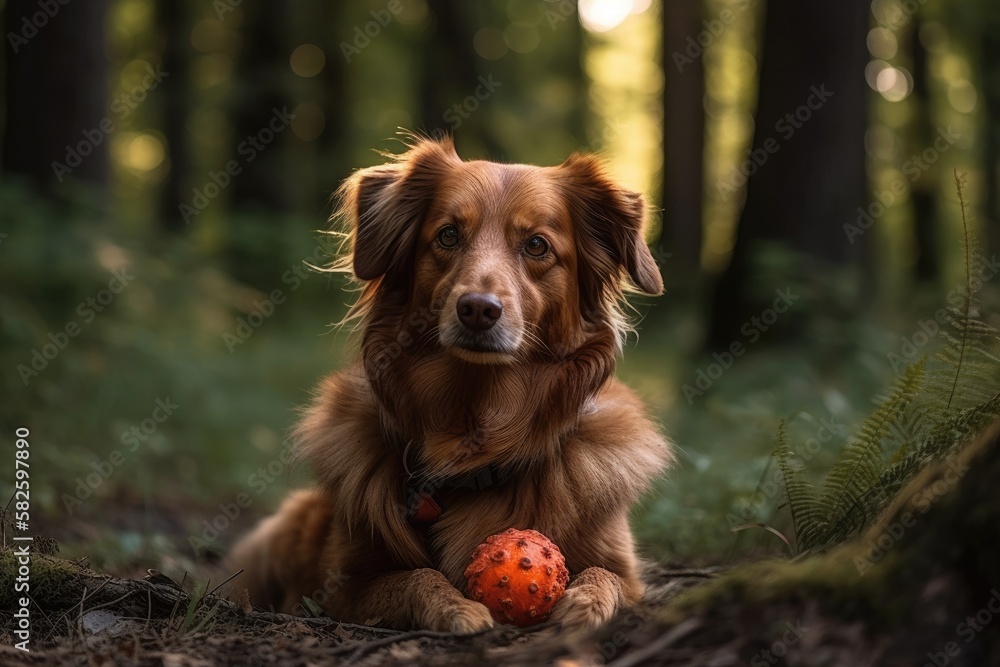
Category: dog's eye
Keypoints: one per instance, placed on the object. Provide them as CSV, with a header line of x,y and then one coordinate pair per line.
x,y
536,246
448,236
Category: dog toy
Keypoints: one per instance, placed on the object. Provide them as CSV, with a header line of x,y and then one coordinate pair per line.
x,y
519,575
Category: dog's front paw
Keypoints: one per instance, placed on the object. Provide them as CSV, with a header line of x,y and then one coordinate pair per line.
x,y
591,600
467,616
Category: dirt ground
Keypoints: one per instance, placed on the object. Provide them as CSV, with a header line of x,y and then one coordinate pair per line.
x,y
931,596
100,621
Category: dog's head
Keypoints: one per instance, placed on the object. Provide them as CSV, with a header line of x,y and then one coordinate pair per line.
x,y
509,260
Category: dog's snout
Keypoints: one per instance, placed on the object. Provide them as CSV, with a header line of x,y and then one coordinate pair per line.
x,y
479,312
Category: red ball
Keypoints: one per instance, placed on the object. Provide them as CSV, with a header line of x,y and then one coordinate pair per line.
x,y
519,575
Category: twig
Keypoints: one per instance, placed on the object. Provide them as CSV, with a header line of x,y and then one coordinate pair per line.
x,y
675,634
226,581
687,573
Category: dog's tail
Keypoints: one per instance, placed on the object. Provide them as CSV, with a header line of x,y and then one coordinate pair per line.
x,y
280,557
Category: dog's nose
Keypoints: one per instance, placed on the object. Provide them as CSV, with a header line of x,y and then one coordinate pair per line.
x,y
479,312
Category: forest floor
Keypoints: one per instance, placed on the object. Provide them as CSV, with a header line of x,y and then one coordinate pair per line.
x,y
909,591
152,621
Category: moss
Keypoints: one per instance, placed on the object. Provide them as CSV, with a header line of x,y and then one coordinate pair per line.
x,y
882,587
832,580
51,579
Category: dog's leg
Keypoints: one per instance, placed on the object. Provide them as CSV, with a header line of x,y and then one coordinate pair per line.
x,y
422,599
591,599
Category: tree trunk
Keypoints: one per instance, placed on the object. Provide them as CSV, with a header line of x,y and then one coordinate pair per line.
x,y
683,137
173,95
807,165
450,75
991,130
928,265
262,89
56,93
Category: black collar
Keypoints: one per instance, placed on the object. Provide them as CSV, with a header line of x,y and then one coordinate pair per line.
x,y
424,498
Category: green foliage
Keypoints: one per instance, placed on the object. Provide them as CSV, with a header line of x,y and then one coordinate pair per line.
x,y
932,408
801,499
162,337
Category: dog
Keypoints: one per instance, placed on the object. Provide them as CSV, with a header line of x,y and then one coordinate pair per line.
x,y
490,314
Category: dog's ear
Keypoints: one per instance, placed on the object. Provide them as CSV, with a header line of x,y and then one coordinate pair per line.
x,y
609,222
385,205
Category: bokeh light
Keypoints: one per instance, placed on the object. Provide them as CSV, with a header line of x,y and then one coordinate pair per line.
x,y
603,15
307,60
139,152
933,37
962,96
882,43
490,43
894,83
521,37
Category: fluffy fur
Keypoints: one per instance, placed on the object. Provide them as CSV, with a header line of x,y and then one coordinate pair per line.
x,y
431,399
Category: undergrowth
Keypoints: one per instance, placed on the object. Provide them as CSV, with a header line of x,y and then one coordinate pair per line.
x,y
934,406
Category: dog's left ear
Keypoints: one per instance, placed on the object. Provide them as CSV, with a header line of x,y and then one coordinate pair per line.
x,y
610,221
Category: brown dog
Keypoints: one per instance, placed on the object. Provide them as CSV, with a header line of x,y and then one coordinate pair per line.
x,y
490,314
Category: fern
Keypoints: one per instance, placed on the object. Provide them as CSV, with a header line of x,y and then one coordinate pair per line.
x,y
931,410
967,373
966,313
801,499
940,443
852,483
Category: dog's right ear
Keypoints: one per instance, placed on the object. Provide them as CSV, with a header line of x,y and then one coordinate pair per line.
x,y
385,205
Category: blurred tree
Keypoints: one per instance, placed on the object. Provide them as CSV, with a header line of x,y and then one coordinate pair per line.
x,y
990,63
56,92
807,162
261,97
333,141
923,132
683,134
174,23
449,72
